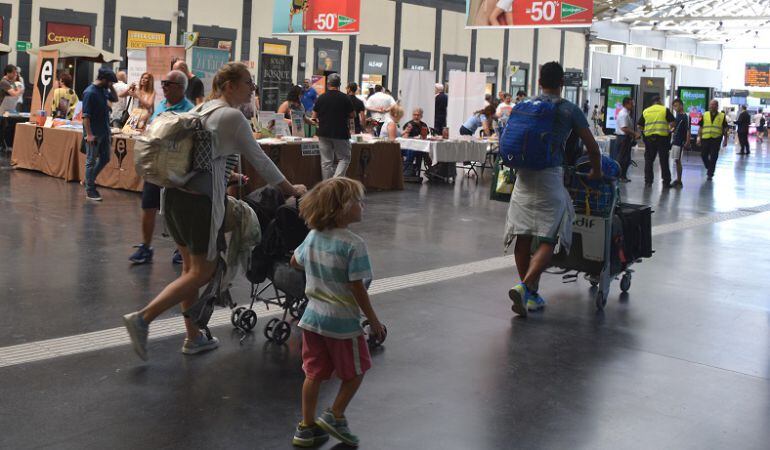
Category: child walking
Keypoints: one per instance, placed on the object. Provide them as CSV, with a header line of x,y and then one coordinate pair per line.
x,y
338,272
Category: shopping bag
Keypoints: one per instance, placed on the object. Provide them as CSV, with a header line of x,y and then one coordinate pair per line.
x,y
502,183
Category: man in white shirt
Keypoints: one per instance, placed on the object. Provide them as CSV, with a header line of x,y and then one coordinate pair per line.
x,y
379,105
504,108
624,129
760,123
119,107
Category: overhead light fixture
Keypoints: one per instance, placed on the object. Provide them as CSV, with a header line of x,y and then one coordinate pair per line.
x,y
721,26
654,26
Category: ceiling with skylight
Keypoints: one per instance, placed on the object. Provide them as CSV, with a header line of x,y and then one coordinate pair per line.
x,y
733,23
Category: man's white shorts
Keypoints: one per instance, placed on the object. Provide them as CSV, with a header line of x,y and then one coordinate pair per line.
x,y
676,152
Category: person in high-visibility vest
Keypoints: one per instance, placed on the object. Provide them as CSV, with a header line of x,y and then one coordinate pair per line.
x,y
713,130
656,123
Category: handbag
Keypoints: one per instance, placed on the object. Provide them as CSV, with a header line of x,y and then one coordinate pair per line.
x,y
126,113
502,182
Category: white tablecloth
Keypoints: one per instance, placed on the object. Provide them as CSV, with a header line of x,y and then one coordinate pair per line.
x,y
448,151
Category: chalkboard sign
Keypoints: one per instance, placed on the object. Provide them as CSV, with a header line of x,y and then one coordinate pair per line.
x,y
274,80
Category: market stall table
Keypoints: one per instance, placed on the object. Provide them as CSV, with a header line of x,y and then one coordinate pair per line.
x,y
376,164
57,152
442,152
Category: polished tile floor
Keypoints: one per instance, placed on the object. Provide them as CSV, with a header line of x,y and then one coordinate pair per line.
x,y
681,362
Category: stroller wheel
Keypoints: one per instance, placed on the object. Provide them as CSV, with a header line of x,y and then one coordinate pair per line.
x,y
281,332
625,282
236,314
270,327
247,320
371,339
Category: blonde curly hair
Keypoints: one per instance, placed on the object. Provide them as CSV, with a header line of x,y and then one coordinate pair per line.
x,y
328,201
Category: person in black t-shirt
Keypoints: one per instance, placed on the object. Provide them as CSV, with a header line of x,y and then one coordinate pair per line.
x,y
333,111
359,109
195,90
413,129
441,109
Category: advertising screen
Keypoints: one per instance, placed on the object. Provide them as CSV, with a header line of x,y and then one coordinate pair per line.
x,y
316,16
614,103
528,13
757,74
695,101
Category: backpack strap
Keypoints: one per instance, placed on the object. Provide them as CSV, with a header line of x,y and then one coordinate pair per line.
x,y
199,109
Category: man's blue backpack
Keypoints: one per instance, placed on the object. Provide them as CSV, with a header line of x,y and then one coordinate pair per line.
x,y
528,141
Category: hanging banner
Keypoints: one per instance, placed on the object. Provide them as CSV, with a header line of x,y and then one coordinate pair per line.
x,y
159,61
205,62
137,65
528,13
143,39
316,16
42,94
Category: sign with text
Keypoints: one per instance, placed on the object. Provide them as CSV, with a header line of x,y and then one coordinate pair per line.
x,y
275,80
142,39
56,33
614,102
757,74
316,16
45,74
159,62
529,13
206,62
695,101
311,148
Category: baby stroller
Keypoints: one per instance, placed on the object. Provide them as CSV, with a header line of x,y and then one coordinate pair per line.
x,y
282,231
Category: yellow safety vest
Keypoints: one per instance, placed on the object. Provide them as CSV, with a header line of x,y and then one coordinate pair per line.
x,y
713,130
655,123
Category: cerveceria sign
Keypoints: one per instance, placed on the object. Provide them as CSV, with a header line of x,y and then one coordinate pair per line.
x,y
56,33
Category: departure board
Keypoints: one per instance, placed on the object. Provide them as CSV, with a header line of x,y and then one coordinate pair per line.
x,y
758,74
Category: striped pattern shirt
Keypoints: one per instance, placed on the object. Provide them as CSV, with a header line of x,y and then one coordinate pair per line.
x,y
332,259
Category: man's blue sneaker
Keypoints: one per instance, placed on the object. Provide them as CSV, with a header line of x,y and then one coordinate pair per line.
x,y
519,295
535,302
142,255
337,427
176,258
311,436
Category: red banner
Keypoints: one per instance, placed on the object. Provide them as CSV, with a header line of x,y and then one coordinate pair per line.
x,y
316,16
530,13
553,12
56,33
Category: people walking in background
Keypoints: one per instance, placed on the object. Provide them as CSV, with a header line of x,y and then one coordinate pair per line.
x,y
680,140
96,127
309,96
656,123
119,115
742,124
338,272
713,130
627,135
359,109
333,112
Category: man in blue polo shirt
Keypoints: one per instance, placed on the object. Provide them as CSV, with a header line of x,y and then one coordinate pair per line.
x,y
174,87
309,96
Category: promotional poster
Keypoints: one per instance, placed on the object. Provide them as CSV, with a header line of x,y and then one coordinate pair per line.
x,y
528,13
615,95
205,62
316,16
42,93
695,102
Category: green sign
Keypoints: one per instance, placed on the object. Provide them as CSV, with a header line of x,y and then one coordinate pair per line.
x,y
344,21
23,46
615,95
568,10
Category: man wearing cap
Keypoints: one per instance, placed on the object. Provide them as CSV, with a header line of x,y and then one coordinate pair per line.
x,y
657,122
439,119
96,127
333,112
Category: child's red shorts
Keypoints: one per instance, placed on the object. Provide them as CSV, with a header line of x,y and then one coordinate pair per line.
x,y
322,356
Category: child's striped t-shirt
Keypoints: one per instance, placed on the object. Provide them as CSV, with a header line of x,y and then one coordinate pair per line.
x,y
332,259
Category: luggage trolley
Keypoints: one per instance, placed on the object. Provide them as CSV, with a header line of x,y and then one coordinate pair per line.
x,y
598,246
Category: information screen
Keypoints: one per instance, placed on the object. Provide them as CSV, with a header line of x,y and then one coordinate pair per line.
x,y
758,74
614,102
695,101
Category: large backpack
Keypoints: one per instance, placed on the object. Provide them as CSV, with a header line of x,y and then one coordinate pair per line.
x,y
164,154
528,141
